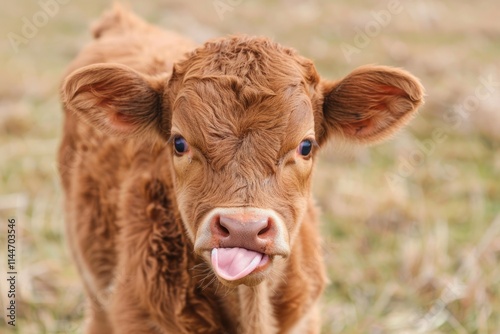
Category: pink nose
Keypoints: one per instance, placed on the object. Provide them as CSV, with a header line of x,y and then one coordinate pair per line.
x,y
245,231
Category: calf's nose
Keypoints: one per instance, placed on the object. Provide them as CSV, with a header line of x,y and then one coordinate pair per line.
x,y
245,231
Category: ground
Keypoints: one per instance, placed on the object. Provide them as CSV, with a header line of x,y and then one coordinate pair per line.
x,y
411,226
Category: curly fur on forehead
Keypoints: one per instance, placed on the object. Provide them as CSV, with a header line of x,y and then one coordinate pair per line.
x,y
241,92
256,61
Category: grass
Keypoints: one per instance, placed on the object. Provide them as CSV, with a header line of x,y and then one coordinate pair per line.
x,y
418,256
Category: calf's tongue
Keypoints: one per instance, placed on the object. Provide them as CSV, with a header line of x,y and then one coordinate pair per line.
x,y
235,263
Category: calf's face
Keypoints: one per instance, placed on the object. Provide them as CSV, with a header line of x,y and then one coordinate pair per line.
x,y
242,119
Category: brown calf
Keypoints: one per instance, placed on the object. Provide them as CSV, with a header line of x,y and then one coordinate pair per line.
x,y
187,177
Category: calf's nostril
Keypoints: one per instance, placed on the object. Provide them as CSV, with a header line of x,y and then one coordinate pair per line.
x,y
222,229
264,230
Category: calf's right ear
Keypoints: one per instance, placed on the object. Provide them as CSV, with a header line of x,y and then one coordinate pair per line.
x,y
116,99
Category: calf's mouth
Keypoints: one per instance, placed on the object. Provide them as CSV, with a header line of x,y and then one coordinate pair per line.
x,y
236,263
241,243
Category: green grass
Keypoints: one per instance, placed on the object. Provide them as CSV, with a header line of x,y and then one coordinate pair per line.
x,y
392,252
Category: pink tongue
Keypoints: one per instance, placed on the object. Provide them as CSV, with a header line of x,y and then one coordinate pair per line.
x,y
235,263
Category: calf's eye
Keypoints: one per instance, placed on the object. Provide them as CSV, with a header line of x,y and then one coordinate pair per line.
x,y
305,147
180,145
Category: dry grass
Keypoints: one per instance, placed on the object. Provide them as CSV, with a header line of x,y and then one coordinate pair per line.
x,y
420,255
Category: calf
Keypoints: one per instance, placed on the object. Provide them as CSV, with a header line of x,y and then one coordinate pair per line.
x,y
187,176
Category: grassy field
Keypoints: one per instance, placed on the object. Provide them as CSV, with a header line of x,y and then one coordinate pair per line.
x,y
411,226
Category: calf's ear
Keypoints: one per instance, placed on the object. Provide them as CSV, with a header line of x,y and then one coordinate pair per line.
x,y
369,104
116,99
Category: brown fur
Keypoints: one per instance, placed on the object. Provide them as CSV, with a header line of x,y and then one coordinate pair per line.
x,y
133,207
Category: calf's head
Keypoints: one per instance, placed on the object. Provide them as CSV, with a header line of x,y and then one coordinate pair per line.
x,y
243,119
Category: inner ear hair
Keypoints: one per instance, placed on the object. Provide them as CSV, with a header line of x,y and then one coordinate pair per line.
x,y
370,104
116,99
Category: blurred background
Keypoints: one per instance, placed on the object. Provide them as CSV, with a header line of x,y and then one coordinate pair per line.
x,y
411,226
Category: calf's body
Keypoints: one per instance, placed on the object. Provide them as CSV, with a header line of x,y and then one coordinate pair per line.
x,y
187,176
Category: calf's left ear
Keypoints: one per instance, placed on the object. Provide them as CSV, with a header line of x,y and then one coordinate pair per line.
x,y
116,99
369,104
